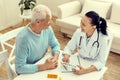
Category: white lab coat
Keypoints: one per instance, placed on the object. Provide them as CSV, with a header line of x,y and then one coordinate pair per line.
x,y
87,51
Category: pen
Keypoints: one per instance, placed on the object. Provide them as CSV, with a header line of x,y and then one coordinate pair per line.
x,y
67,71
64,66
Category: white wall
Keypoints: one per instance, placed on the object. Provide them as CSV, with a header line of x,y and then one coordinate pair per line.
x,y
52,4
2,12
9,13
9,10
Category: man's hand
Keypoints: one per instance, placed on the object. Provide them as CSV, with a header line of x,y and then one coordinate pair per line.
x,y
51,63
66,58
56,56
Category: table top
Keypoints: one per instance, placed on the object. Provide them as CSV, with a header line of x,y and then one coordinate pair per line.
x,y
96,75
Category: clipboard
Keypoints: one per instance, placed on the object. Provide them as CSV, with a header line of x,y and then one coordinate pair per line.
x,y
67,67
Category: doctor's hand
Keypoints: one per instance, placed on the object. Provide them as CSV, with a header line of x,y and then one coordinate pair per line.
x,y
79,71
84,70
66,58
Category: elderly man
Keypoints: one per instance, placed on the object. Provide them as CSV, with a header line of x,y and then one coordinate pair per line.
x,y
33,41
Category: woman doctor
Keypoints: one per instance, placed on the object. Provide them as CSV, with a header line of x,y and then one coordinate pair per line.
x,y
91,43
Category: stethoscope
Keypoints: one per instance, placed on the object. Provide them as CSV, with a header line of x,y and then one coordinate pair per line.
x,y
94,43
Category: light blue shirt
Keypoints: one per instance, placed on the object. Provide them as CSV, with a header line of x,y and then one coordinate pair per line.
x,y
31,47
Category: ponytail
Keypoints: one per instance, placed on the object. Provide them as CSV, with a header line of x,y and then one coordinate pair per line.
x,y
100,22
103,26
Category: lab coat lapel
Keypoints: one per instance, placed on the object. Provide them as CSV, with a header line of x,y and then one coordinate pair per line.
x,y
83,41
91,41
82,50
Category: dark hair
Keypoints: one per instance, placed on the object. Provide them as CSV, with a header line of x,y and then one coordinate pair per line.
x,y
100,22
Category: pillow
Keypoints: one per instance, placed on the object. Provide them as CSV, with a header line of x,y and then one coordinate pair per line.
x,y
101,7
115,14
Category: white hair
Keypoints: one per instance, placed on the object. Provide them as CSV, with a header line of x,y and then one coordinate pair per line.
x,y
40,12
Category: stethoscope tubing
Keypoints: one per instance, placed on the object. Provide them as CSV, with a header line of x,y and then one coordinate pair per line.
x,y
95,42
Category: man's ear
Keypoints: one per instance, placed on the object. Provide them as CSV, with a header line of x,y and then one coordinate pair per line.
x,y
94,26
38,21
